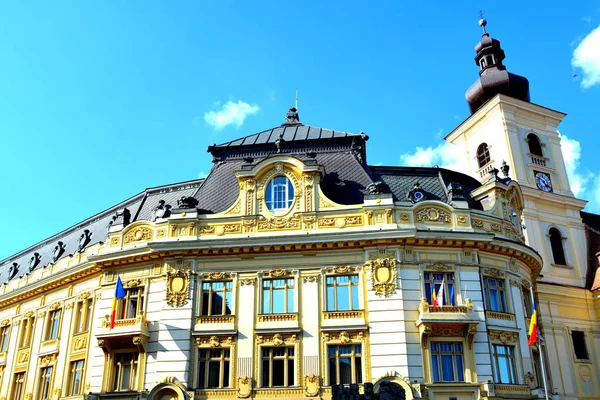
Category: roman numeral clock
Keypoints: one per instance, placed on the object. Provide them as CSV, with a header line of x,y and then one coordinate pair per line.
x,y
543,181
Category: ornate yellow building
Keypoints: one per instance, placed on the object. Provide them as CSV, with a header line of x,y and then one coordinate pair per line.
x,y
295,266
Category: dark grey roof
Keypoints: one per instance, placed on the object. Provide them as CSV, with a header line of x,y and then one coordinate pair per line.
x,y
140,207
290,134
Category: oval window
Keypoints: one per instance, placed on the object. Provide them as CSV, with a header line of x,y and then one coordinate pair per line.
x,y
279,195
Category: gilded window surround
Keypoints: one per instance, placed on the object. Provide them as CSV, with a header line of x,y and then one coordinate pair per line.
x,y
357,336
277,340
508,338
138,346
450,334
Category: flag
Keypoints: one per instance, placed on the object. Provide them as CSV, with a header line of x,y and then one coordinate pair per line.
x,y
119,294
433,299
440,294
533,334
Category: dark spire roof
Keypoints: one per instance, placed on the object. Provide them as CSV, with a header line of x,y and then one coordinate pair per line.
x,y
493,76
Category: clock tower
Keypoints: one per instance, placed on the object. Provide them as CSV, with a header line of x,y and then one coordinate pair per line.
x,y
505,127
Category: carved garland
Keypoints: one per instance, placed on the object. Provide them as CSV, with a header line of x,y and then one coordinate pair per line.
x,y
384,276
432,214
138,234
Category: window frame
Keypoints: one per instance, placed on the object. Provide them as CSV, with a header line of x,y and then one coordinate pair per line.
x,y
72,374
116,378
46,375
83,311
357,376
501,294
454,353
535,138
351,292
511,358
4,338
557,248
53,324
211,291
483,155
26,334
436,283
19,381
225,367
286,294
286,358
583,342
270,193
123,308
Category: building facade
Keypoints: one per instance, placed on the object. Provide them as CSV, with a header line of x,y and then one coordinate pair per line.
x,y
296,266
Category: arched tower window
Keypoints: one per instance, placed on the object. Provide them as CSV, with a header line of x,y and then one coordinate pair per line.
x,y
535,147
558,253
483,155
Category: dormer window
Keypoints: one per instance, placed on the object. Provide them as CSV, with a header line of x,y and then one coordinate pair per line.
x,y
279,195
483,64
535,148
483,155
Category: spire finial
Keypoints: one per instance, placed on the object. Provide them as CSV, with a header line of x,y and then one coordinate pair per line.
x,y
482,22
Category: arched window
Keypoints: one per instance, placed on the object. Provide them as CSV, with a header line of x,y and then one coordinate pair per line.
x,y
483,155
483,63
558,253
535,147
279,195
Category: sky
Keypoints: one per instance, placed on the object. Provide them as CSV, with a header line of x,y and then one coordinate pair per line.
x,y
101,100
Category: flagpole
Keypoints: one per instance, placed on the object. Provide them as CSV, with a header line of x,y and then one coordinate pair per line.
x,y
539,340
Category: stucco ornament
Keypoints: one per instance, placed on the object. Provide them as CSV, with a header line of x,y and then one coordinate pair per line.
x,y
384,276
312,385
244,387
178,284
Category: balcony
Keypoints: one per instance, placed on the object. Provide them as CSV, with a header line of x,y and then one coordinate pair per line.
x,y
134,329
537,160
214,323
277,321
447,321
342,318
501,319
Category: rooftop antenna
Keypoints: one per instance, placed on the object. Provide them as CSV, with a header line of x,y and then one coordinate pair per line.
x,y
482,22
296,99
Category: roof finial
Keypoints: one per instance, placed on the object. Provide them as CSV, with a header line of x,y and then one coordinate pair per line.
x,y
482,22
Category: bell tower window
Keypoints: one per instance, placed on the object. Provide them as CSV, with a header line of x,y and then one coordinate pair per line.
x,y
558,253
535,148
483,155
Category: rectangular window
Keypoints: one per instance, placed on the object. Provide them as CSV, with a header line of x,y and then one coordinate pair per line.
x,y
26,332
278,296
526,302
277,366
125,369
447,362
4,338
433,283
344,364
18,390
342,293
132,305
581,352
216,298
213,368
495,297
506,366
75,377
52,324
45,387
83,315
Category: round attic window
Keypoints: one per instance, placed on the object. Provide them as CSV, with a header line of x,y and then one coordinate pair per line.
x,y
279,195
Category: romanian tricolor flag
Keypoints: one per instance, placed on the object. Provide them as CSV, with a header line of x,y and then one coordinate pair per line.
x,y
533,334
119,294
433,298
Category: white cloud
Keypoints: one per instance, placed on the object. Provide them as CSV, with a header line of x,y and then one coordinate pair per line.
x,y
587,58
445,155
230,114
571,150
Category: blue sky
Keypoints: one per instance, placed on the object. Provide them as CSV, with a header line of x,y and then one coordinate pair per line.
x,y
100,100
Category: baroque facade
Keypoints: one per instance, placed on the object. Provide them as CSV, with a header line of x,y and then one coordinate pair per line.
x,y
296,266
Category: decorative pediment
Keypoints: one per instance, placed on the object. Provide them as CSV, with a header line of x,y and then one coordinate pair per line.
x,y
138,234
342,269
344,337
278,273
432,214
214,341
277,339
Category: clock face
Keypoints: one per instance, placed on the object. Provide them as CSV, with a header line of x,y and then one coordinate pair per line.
x,y
543,181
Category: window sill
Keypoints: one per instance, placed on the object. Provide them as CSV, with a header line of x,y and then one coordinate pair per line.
x,y
215,319
562,266
500,315
277,317
343,314
582,360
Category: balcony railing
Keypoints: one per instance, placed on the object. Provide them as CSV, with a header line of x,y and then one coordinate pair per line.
x,y
537,160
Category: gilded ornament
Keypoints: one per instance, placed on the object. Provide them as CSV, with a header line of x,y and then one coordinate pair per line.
x,y
310,278
160,233
84,295
217,276
279,272
404,217
178,283
439,267
235,209
114,241
5,322
247,281
279,223
54,306
244,387
461,219
384,276
344,337
342,269
312,385
132,283
432,214
80,343
496,227
477,223
138,234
